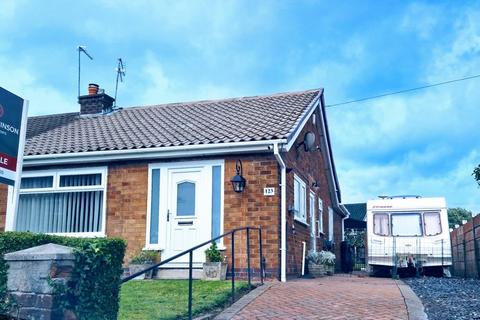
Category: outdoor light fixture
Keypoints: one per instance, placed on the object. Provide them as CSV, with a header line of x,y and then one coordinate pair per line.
x,y
238,182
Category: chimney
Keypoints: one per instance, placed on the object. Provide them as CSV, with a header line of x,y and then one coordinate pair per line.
x,y
96,102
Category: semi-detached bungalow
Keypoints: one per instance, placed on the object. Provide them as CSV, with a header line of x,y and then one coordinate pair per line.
x,y
160,176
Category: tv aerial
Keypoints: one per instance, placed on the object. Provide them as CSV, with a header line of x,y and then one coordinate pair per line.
x,y
80,50
120,74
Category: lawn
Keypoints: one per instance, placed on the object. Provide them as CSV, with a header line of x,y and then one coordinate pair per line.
x,y
168,299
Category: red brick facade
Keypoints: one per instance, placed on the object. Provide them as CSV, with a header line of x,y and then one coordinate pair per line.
x,y
252,208
127,204
309,167
127,196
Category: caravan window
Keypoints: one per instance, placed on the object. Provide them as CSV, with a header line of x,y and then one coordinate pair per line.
x,y
432,223
406,224
380,224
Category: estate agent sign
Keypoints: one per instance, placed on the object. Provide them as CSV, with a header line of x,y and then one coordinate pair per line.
x,y
13,120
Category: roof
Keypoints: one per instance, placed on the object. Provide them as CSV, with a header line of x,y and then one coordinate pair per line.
x,y
358,211
177,124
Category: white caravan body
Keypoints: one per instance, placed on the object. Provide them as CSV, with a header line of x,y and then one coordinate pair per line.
x,y
408,231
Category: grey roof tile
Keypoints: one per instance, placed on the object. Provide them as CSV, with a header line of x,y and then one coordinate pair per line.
x,y
176,124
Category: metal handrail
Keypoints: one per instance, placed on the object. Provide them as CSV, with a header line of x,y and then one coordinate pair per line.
x,y
190,264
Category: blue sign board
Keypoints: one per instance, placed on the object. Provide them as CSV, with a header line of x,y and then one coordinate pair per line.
x,y
13,113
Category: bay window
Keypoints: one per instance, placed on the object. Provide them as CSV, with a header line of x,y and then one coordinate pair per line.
x,y
63,202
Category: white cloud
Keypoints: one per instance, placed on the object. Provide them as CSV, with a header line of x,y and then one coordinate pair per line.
x,y
418,143
421,18
44,99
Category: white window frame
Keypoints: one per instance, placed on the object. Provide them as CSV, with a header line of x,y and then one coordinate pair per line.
x,y
330,223
56,174
300,212
164,167
320,217
312,213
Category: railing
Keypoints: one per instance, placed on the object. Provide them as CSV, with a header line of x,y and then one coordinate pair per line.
x,y
190,264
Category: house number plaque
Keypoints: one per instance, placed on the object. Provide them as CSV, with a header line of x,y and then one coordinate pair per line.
x,y
268,191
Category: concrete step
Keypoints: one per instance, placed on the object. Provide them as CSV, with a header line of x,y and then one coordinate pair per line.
x,y
167,273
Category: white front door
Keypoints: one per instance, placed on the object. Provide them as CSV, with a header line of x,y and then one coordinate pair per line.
x,y
188,212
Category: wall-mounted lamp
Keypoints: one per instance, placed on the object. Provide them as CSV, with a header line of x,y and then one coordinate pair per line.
x,y
238,181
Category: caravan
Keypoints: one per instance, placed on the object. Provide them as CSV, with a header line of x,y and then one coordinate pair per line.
x,y
408,233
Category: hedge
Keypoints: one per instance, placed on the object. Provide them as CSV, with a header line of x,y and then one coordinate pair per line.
x,y
93,290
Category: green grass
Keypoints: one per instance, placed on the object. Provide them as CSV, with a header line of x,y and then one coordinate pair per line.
x,y
168,299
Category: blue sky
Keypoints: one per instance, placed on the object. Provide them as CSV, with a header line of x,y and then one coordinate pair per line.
x,y
424,142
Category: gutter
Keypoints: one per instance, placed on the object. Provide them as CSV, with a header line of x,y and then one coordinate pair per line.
x,y
283,213
151,153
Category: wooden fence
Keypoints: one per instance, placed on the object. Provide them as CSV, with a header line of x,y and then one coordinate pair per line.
x,y
466,249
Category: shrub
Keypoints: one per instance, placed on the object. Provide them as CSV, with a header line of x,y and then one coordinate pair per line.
x,y
146,257
213,254
93,290
322,257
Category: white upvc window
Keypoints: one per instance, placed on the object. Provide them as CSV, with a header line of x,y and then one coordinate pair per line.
x,y
330,223
300,199
64,202
313,218
320,217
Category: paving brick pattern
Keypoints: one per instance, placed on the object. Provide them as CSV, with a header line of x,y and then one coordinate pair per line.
x,y
337,297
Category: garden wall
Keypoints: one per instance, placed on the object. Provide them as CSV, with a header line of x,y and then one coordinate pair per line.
x,y
466,249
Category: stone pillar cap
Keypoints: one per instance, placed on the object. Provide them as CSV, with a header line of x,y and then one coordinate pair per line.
x,y
49,251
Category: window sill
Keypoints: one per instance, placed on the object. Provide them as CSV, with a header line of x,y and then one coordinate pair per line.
x,y
300,221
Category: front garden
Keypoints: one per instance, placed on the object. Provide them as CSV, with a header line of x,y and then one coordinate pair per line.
x,y
168,299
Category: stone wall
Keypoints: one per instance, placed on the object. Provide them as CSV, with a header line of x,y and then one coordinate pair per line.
x,y
466,249
30,272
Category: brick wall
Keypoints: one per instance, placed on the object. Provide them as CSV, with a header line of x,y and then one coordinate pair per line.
x,y
127,204
466,249
310,167
252,208
3,205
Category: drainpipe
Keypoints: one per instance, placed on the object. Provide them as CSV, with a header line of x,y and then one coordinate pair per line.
x,y
283,214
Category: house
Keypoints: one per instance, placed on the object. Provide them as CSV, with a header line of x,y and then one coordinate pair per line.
x,y
357,216
159,176
356,233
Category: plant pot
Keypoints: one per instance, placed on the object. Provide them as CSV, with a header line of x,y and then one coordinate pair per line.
x,y
330,270
214,271
134,268
317,270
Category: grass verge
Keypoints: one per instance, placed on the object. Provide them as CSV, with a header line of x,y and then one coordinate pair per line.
x,y
168,299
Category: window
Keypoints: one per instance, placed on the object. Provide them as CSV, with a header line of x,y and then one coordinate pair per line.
x,y
381,225
432,223
313,225
406,224
63,201
320,216
300,195
330,224
186,199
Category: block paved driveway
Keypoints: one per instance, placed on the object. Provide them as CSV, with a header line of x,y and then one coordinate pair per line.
x,y
336,297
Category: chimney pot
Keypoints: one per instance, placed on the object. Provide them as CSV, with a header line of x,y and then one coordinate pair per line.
x,y
92,88
96,101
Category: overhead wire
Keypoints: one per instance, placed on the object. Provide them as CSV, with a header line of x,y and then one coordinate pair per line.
x,y
403,91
